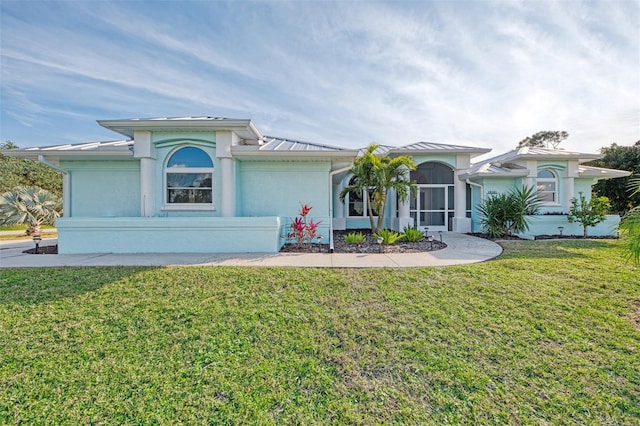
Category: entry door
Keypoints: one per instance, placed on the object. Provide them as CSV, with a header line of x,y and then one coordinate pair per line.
x,y
432,207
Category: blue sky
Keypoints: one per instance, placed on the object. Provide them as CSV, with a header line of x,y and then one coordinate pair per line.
x,y
344,73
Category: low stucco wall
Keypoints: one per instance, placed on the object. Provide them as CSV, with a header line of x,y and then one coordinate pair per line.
x,y
169,235
548,225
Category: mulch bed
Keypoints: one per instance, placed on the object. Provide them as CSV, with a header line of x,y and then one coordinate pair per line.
x,y
369,246
43,250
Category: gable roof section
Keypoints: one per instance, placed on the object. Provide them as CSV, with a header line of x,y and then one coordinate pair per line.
x,y
506,165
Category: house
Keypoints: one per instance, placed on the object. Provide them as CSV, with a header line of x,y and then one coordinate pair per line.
x,y
209,184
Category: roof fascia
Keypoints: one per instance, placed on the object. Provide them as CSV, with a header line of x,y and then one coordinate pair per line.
x,y
127,127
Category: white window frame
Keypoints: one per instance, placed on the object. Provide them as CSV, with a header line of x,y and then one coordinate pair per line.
x,y
177,170
545,180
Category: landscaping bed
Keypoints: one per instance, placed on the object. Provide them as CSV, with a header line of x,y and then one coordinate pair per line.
x,y
370,245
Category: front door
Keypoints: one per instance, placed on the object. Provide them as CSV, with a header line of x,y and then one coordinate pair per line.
x,y
432,207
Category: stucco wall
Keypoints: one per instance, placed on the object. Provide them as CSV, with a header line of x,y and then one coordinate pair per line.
x,y
277,188
104,188
169,235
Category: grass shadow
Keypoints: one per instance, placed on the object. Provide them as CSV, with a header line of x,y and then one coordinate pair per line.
x,y
43,285
552,249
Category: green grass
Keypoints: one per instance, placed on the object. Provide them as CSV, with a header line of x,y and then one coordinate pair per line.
x,y
21,227
546,334
45,234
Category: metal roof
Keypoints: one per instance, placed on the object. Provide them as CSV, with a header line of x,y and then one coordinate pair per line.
x,y
600,172
541,154
434,146
102,146
272,143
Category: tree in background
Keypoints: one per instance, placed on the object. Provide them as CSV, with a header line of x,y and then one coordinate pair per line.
x,y
621,158
374,176
544,139
588,213
16,172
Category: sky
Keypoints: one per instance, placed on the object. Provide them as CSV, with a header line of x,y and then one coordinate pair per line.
x,y
344,73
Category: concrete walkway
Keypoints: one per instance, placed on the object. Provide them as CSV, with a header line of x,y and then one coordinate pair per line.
x,y
461,249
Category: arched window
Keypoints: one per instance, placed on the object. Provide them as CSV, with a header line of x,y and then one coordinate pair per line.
x,y
547,186
432,173
189,177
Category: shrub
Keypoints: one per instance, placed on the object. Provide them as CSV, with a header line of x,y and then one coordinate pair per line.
x,y
31,206
588,213
504,214
387,236
303,232
354,238
411,234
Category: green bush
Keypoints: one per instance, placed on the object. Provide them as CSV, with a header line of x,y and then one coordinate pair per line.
x,y
412,234
354,238
388,236
504,214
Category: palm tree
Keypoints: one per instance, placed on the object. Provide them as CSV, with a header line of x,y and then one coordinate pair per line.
x,y
32,206
630,225
374,176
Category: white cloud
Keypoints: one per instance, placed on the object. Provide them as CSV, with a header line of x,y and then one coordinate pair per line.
x,y
477,73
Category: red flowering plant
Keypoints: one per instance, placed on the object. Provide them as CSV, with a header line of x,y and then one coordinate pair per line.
x,y
302,231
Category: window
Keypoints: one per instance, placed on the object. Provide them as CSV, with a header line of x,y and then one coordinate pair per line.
x,y
189,177
357,202
547,187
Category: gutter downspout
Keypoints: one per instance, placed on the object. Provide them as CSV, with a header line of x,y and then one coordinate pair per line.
x,y
43,160
331,175
477,185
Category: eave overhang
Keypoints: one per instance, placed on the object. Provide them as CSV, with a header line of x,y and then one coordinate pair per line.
x,y
244,128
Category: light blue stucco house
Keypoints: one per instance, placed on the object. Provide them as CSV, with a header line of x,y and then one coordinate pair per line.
x,y
208,184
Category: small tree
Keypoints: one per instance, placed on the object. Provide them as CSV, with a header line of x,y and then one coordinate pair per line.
x,y
375,176
504,214
544,139
30,206
588,213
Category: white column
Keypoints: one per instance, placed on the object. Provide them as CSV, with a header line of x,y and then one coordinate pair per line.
x,y
404,217
461,223
66,194
227,183
568,187
227,193
145,150
339,222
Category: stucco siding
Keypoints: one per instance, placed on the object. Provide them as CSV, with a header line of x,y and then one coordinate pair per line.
x,y
169,235
278,188
104,188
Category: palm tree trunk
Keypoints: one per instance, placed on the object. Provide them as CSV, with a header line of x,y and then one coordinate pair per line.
x,y
370,211
381,213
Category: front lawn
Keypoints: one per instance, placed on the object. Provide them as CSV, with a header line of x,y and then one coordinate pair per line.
x,y
549,333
